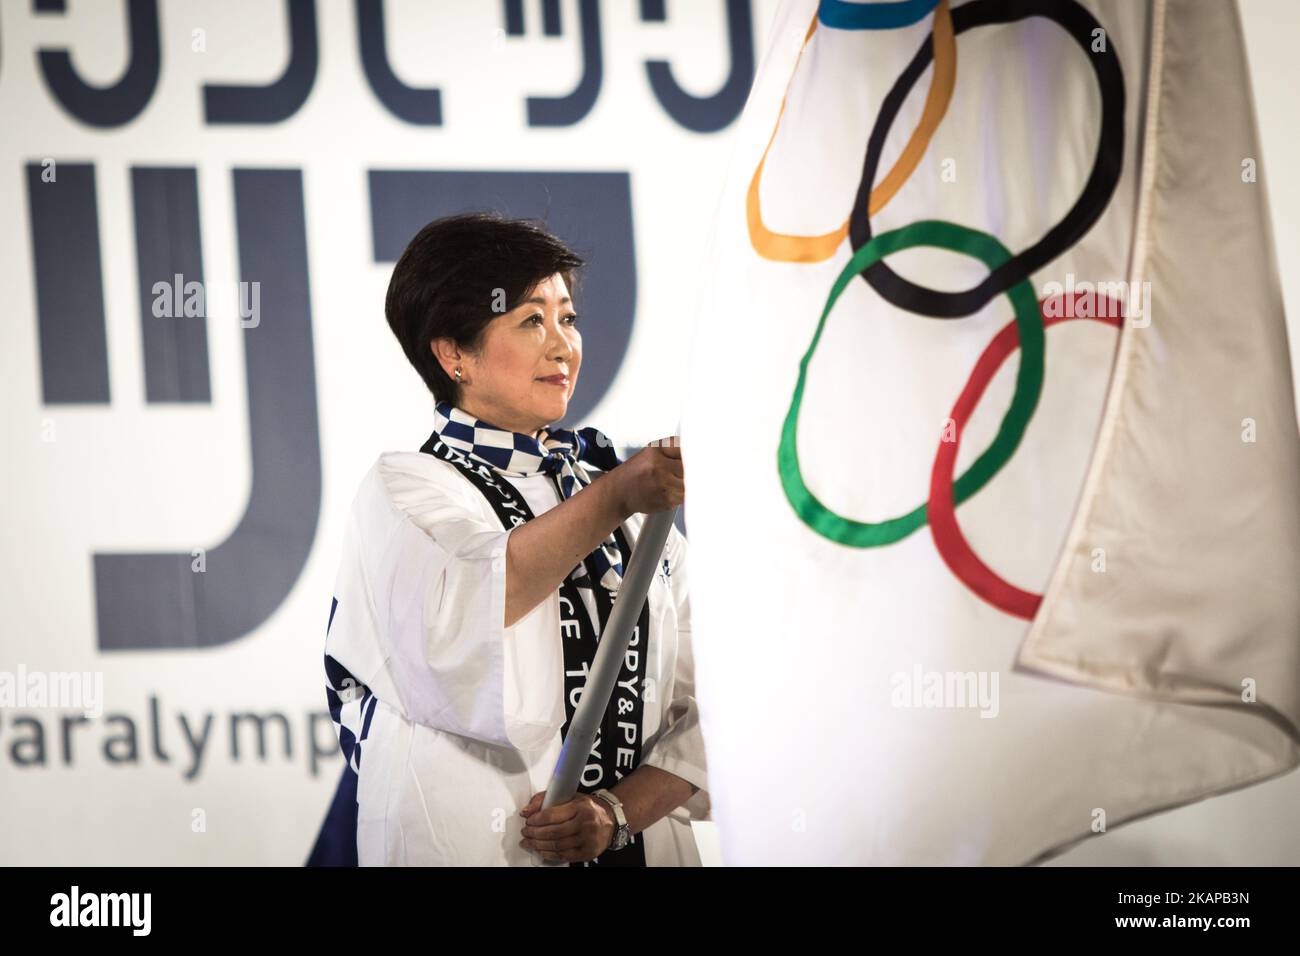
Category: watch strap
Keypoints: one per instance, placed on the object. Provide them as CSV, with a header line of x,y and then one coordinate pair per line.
x,y
622,833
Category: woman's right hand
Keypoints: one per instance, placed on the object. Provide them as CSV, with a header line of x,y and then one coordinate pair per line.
x,y
542,552
652,479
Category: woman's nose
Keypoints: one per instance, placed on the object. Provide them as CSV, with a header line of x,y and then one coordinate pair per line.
x,y
559,346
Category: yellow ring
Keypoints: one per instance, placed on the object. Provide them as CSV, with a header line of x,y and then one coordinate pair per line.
x,y
788,248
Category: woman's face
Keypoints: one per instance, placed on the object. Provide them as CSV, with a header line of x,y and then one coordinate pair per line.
x,y
525,372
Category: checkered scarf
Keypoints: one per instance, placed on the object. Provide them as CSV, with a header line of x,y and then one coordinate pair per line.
x,y
558,452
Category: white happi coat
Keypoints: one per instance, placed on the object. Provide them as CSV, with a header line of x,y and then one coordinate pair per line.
x,y
451,719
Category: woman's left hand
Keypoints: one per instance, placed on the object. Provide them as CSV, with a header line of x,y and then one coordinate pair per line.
x,y
573,832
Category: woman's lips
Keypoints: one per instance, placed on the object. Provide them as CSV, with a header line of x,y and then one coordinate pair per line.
x,y
555,380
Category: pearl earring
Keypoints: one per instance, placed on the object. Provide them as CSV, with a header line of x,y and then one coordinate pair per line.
x,y
458,373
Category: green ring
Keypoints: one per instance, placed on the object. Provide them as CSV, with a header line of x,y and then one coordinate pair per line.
x,y
1029,385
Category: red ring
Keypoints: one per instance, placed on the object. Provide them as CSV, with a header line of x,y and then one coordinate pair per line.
x,y
948,537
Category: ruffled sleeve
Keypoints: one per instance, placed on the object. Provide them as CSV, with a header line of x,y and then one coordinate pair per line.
x,y
679,747
434,558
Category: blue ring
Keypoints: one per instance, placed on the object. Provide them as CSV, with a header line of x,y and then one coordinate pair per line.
x,y
841,15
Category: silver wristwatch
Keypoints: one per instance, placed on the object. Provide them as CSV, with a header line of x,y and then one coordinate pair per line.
x,y
622,834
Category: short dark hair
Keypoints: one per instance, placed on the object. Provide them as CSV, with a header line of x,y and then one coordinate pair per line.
x,y
446,284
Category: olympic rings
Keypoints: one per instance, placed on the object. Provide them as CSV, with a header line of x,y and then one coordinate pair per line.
x,y
1079,24
1029,383
948,538
790,248
1008,274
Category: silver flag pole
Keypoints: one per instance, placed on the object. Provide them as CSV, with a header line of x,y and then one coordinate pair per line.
x,y
613,644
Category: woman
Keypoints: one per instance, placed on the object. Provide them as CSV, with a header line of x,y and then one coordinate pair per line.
x,y
478,572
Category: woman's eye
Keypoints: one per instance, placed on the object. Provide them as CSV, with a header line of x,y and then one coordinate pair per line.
x,y
573,319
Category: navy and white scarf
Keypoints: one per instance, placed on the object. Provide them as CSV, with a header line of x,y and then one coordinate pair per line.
x,y
558,452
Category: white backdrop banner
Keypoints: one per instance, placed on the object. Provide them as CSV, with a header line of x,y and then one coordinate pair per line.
x,y
202,202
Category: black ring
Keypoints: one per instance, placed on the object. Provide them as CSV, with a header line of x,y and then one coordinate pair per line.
x,y
1080,24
